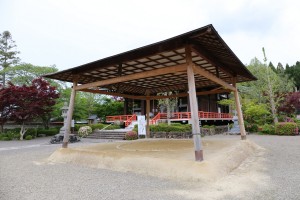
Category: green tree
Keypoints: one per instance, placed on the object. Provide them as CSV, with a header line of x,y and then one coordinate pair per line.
x,y
108,107
24,73
270,88
294,73
8,56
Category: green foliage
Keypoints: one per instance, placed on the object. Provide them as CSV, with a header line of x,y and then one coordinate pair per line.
x,y
47,132
268,129
10,135
176,127
8,54
256,113
84,131
286,128
252,128
135,128
131,135
28,137
24,73
97,126
4,138
112,127
109,107
269,89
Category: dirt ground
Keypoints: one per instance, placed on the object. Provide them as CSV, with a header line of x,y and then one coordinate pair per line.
x,y
164,158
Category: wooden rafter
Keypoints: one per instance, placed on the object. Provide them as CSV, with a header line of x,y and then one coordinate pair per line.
x,y
209,59
156,72
113,94
212,77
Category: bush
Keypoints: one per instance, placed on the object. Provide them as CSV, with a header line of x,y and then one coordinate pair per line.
x,y
47,132
112,127
9,135
32,132
268,129
251,127
131,135
84,131
163,127
77,126
286,128
5,139
97,126
28,137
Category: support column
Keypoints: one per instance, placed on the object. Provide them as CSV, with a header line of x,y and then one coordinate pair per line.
x,y
239,111
69,116
193,106
148,117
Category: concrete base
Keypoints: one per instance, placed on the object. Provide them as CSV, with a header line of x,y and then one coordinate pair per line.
x,y
199,155
243,137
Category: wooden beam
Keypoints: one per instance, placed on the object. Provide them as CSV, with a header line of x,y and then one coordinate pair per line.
x,y
113,94
203,54
148,117
186,94
239,111
145,74
69,116
212,77
194,106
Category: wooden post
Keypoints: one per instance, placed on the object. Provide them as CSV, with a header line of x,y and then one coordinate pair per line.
x,y
69,116
193,106
239,111
148,117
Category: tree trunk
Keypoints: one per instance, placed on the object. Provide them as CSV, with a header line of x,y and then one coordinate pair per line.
x,y
22,131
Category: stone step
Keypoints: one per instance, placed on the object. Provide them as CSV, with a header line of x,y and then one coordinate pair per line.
x,y
107,135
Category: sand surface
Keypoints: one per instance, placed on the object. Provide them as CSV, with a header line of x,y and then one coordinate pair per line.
x,y
164,158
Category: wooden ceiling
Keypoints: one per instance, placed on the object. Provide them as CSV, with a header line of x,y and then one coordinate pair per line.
x,y
209,52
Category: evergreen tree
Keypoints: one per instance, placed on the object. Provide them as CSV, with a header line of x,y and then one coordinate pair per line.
x,y
8,56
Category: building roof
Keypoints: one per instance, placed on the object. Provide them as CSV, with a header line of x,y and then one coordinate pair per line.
x,y
209,51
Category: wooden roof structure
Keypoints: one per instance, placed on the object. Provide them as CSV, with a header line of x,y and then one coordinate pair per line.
x,y
162,67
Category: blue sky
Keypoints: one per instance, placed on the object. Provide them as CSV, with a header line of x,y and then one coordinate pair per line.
x,y
71,33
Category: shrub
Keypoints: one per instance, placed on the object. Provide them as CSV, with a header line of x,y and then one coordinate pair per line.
x,y
163,127
135,128
5,138
251,127
10,135
112,127
28,137
84,131
32,132
131,135
47,132
77,126
97,126
268,129
286,128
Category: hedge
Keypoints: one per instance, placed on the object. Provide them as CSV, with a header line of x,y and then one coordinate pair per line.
x,y
286,128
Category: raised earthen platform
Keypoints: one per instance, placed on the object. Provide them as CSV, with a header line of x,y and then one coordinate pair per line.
x,y
165,158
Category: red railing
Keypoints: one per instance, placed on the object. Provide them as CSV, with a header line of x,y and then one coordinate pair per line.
x,y
127,119
187,116
174,116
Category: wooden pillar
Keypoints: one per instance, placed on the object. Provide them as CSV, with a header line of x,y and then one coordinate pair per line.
x,y
69,116
148,117
193,106
239,111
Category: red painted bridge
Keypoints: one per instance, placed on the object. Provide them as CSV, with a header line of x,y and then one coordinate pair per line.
x,y
175,116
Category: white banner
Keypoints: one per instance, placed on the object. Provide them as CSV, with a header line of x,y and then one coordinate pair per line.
x,y
141,125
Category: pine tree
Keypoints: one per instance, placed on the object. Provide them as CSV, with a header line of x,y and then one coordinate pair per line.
x,y
8,56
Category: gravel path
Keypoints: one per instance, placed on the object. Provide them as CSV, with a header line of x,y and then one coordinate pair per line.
x,y
272,174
